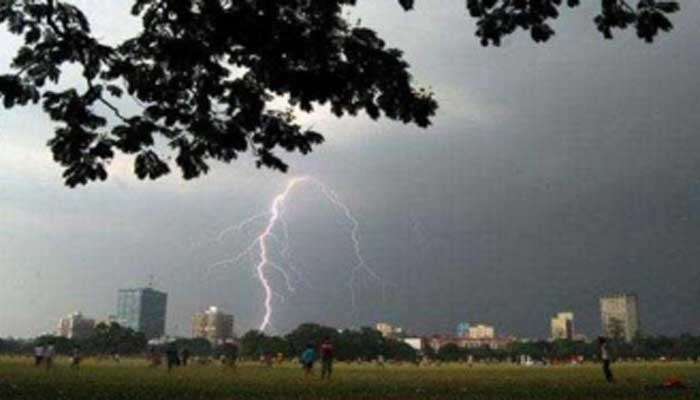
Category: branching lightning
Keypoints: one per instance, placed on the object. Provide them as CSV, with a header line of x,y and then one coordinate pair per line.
x,y
262,244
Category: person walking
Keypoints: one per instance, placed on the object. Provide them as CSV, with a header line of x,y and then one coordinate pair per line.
x,y
38,355
154,357
185,356
49,353
75,358
606,359
308,358
172,356
230,354
327,355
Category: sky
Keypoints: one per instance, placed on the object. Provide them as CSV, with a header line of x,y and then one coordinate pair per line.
x,y
553,174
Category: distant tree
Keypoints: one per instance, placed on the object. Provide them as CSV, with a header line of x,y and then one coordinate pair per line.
x,y
536,350
205,73
16,346
197,347
309,333
61,344
252,344
111,338
399,351
429,352
451,353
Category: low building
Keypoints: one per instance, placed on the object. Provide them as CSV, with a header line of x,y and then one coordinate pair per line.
x,y
495,343
213,325
481,331
75,326
416,343
389,331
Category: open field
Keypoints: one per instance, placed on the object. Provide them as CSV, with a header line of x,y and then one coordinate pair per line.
x,y
133,380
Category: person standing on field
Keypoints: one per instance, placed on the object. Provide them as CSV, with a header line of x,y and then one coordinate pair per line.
x,y
38,355
308,358
49,353
172,356
185,356
230,354
75,358
327,355
605,357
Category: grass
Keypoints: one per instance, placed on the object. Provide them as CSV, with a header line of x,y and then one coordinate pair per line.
x,y
133,380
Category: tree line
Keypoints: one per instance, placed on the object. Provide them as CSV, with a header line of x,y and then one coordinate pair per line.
x,y
107,339
683,347
364,344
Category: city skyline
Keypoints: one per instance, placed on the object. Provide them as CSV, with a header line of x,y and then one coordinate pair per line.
x,y
216,325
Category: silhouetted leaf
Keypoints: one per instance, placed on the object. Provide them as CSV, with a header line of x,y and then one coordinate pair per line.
x,y
207,73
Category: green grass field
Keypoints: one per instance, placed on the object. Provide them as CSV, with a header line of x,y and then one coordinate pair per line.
x,y
134,380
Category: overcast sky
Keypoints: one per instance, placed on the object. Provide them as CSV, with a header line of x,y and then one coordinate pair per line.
x,y
553,174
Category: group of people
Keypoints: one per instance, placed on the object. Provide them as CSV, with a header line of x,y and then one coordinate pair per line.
x,y
310,356
45,354
173,357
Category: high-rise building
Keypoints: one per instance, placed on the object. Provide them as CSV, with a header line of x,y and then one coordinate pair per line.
x,y
75,326
481,331
213,325
619,315
563,326
463,329
142,310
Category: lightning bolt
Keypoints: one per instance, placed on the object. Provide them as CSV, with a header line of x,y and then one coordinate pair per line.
x,y
262,243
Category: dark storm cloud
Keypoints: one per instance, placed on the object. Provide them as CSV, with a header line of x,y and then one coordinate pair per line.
x,y
553,174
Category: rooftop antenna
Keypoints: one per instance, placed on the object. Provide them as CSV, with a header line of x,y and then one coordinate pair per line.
x,y
150,281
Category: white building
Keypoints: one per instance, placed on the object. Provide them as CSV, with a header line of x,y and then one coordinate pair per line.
x,y
482,331
415,343
388,330
213,325
619,315
75,326
562,326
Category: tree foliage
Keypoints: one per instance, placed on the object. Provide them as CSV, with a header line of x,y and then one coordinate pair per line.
x,y
206,72
365,344
498,18
350,345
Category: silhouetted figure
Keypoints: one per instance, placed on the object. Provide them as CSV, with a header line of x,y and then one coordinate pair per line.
x,y
327,355
172,356
38,355
185,356
75,358
49,353
268,359
154,357
605,358
308,358
230,354
380,360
